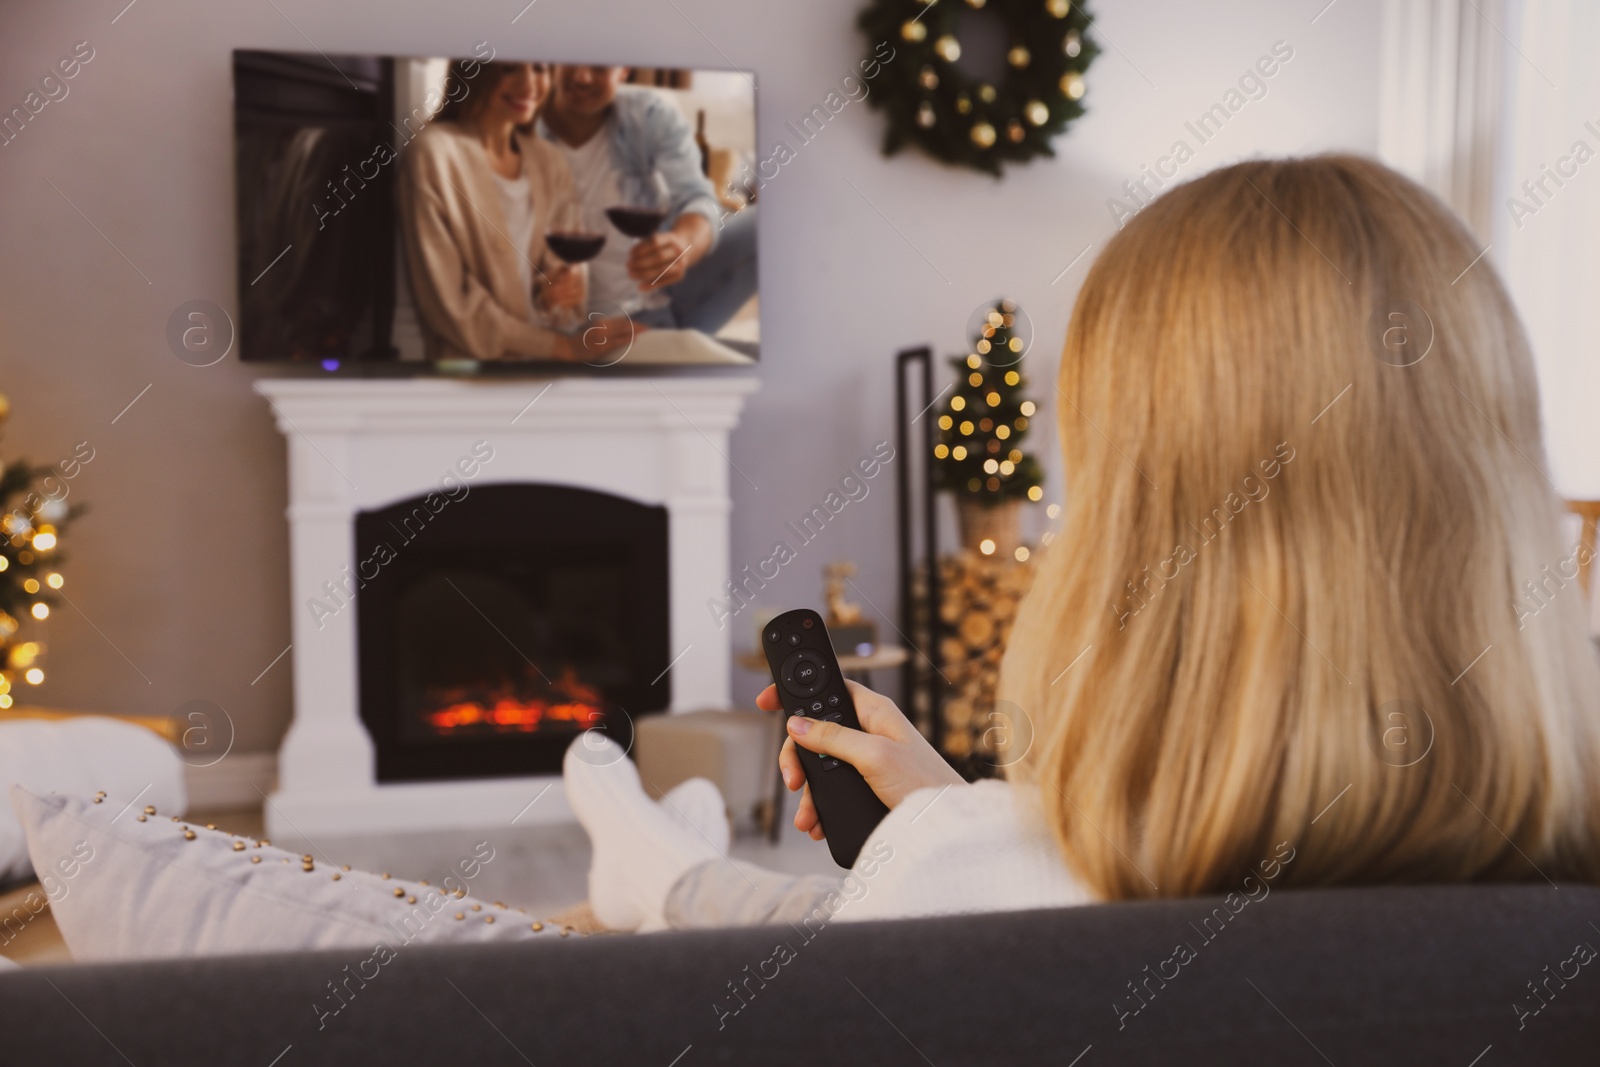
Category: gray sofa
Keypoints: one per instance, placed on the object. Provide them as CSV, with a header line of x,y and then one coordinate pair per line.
x,y
1437,975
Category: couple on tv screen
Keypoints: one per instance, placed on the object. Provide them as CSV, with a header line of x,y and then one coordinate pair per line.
x,y
543,212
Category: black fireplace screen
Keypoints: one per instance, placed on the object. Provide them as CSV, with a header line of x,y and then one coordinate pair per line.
x,y
504,624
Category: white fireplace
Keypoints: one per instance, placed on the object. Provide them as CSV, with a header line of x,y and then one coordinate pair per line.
x,y
358,446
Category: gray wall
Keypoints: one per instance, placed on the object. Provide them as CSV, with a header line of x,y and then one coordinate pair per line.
x,y
117,207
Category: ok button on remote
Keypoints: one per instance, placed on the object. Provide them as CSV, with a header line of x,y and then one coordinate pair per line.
x,y
804,673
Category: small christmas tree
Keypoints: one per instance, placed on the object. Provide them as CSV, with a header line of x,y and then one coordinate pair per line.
x,y
33,515
979,456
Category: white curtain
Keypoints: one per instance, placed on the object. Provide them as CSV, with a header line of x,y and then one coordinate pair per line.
x,y
1439,99
1547,219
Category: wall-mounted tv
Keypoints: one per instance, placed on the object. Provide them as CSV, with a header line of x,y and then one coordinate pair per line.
x,y
414,211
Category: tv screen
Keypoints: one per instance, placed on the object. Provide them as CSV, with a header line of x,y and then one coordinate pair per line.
x,y
422,210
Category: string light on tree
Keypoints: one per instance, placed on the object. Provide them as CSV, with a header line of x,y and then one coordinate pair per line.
x,y
32,521
978,456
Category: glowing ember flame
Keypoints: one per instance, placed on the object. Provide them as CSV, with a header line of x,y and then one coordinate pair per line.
x,y
511,709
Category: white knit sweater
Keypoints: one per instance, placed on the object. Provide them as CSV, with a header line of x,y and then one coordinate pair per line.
x,y
968,848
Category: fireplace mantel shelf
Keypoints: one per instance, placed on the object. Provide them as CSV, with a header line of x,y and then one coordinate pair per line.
x,y
525,405
357,445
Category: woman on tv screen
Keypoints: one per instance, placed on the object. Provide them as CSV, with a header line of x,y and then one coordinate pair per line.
x,y
479,195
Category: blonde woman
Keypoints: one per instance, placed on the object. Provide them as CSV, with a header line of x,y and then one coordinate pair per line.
x,y
477,193
1279,640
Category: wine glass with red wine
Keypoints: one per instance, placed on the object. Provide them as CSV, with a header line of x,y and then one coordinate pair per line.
x,y
644,204
571,238
574,238
639,214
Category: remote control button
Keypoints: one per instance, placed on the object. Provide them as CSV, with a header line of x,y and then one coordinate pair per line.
x,y
816,705
834,701
794,639
804,674
830,764
837,716
774,636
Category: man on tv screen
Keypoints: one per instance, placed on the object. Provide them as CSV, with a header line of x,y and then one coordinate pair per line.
x,y
674,257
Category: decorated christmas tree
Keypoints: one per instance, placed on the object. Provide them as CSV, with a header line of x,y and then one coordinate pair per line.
x,y
982,424
35,513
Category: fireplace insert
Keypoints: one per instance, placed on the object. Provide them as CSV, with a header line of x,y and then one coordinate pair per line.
x,y
496,626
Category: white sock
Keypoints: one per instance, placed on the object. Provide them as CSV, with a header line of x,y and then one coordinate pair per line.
x,y
641,848
697,804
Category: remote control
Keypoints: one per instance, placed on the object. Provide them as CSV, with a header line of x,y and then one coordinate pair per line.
x,y
800,656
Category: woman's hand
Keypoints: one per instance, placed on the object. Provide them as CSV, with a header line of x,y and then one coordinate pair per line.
x,y
564,287
891,754
602,342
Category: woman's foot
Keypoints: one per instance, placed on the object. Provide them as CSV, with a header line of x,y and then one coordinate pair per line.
x,y
641,847
697,804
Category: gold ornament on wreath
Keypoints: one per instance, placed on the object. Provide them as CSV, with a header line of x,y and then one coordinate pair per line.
x,y
1012,113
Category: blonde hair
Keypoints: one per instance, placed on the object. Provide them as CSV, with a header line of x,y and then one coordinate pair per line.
x,y
1293,553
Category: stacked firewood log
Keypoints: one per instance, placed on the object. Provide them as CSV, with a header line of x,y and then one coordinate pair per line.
x,y
978,597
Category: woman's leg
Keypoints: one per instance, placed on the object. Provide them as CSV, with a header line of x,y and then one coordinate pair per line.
x,y
734,893
714,289
660,864
641,848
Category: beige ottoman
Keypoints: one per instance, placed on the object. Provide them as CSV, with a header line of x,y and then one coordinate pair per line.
x,y
738,750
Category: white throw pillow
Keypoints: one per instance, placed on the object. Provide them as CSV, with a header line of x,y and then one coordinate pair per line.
x,y
81,755
132,889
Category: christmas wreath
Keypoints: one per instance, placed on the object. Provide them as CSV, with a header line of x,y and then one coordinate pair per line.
x,y
932,102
